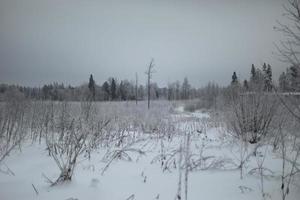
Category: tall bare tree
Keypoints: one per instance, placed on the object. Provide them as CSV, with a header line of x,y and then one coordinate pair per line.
x,y
149,73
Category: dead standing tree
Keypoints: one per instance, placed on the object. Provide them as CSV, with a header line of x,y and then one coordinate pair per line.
x,y
149,73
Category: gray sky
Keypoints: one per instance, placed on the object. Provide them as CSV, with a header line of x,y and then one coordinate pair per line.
x,y
43,41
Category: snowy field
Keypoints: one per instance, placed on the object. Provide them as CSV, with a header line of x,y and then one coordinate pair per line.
x,y
151,163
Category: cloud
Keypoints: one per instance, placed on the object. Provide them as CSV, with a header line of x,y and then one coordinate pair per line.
x,y
65,41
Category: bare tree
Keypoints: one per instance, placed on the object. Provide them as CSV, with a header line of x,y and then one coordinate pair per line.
x,y
149,74
289,50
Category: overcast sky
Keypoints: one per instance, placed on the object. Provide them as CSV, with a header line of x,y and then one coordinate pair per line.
x,y
43,41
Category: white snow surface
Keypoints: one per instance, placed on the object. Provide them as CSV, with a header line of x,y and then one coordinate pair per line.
x,y
142,178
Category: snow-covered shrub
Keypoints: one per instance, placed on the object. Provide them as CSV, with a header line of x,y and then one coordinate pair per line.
x,y
71,137
13,121
250,114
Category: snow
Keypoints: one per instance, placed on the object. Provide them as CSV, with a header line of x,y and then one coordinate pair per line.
x,y
142,177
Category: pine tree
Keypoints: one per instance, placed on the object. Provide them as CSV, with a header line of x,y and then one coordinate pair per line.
x,y
105,88
267,77
92,87
257,78
253,74
113,89
264,67
234,80
246,85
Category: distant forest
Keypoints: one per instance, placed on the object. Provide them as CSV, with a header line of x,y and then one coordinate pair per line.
x,y
123,90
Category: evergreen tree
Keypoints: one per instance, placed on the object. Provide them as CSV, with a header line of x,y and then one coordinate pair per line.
x,y
234,80
105,88
295,78
186,88
246,85
113,89
92,87
122,91
253,74
257,78
264,67
267,76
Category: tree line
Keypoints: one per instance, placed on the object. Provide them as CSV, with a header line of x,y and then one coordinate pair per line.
x,y
110,90
261,78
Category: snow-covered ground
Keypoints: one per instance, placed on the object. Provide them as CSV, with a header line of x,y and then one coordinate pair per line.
x,y
146,177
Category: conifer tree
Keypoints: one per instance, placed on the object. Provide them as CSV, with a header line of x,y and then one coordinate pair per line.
x,y
113,89
92,87
105,88
246,85
234,80
253,74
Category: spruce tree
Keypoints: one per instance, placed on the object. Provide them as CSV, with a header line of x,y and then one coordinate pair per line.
x,y
267,77
92,87
253,74
113,89
246,85
295,78
234,80
123,91
105,88
269,84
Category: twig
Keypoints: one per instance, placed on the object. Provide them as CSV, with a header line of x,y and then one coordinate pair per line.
x,y
36,191
48,179
131,197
